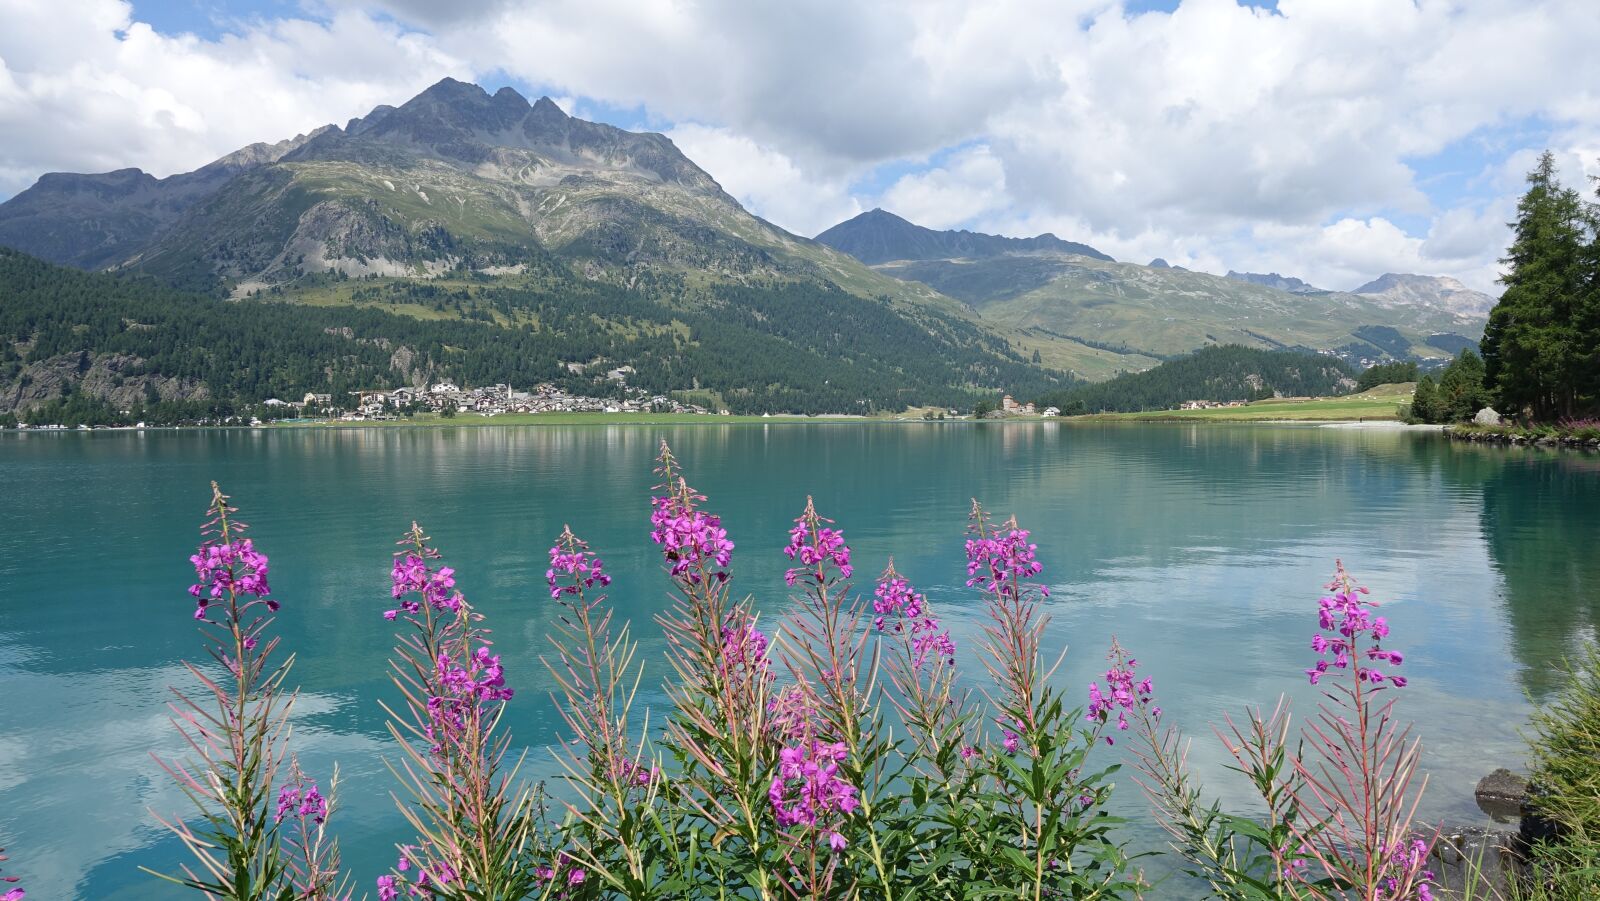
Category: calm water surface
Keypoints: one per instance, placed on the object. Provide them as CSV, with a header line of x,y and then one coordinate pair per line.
x,y
1201,547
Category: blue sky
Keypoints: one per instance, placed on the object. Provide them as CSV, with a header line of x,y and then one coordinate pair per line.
x,y
1329,140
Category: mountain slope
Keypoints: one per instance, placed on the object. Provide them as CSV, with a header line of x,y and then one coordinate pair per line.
x,y
457,179
93,221
798,347
454,179
1435,292
1145,314
1223,373
878,236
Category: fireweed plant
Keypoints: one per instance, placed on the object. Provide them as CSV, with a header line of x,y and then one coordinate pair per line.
x,y
836,756
478,833
237,728
781,773
1339,802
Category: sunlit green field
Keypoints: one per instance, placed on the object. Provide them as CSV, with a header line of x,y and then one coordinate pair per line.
x,y
1382,402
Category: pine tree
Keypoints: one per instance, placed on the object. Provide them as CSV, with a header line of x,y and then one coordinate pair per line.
x,y
1461,392
1425,402
1534,354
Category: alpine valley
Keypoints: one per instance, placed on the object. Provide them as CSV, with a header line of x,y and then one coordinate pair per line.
x,y
485,238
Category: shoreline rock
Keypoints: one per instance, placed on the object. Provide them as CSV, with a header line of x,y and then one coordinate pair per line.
x,y
1502,795
1515,438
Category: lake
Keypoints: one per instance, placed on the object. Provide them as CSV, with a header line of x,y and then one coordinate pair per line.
x,y
1203,548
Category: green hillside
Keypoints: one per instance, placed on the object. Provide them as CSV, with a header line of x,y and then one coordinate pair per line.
x,y
780,347
1160,312
1226,373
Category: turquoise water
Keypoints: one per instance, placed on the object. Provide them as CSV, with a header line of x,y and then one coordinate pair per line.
x,y
1202,547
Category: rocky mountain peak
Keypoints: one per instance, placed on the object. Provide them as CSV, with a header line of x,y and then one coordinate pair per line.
x,y
1438,292
879,236
462,124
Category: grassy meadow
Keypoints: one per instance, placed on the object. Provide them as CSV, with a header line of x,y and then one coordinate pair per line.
x,y
1380,403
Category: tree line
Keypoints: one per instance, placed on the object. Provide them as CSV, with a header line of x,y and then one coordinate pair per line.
x,y
1217,373
795,346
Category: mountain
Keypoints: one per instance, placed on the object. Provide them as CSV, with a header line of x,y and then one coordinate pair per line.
x,y
459,203
1274,280
799,347
584,241
1221,373
878,236
93,221
453,180
1431,291
1097,317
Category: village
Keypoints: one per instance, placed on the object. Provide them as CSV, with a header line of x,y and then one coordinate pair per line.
x,y
1212,404
447,399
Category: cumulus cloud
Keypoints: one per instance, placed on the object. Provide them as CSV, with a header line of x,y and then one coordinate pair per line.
x,y
765,180
1216,133
85,86
970,184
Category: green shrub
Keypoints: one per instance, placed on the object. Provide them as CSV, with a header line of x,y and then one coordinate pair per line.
x,y
1565,754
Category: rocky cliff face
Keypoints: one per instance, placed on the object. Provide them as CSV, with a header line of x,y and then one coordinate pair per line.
x,y
1431,291
1274,280
116,378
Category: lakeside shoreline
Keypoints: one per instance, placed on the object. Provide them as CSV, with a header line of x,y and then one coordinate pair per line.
x,y
1373,409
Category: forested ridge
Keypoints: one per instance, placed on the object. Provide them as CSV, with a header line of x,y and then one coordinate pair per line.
x,y
786,346
1220,373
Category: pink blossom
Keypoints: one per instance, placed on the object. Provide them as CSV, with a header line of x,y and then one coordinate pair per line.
x,y
900,609
808,785
1001,558
1347,614
817,546
693,542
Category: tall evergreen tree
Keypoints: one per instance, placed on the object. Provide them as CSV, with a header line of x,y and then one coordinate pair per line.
x,y
1425,402
1461,391
1535,357
1588,317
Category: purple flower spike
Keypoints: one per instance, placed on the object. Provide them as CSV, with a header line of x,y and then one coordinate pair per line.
x,y
1002,560
1122,694
414,583
808,784
1347,615
573,568
901,610
817,546
229,567
693,542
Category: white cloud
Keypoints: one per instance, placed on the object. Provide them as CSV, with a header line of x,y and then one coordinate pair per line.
x,y
766,181
1464,234
1202,135
971,183
84,86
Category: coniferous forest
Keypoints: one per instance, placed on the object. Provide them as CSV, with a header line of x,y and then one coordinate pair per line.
x,y
1224,373
794,347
